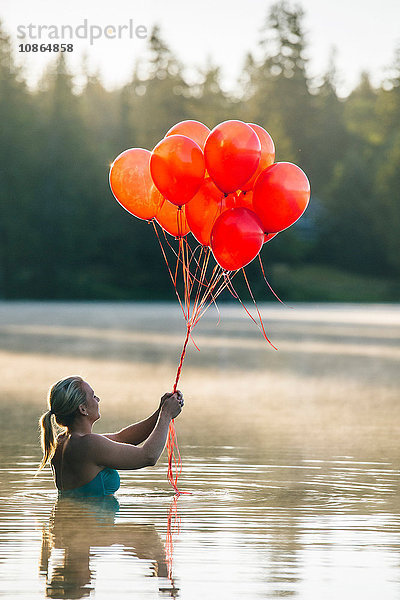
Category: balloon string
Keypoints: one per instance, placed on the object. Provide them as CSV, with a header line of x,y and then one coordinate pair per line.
x,y
174,458
169,269
194,303
218,284
236,295
258,312
173,528
208,286
192,317
269,285
178,373
202,265
193,257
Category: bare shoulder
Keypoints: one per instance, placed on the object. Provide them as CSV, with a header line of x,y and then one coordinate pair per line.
x,y
84,448
94,441
94,445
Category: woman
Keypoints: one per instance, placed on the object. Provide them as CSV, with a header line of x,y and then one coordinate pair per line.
x,y
84,463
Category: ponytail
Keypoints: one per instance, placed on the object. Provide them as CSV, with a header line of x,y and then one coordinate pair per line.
x,y
48,438
64,398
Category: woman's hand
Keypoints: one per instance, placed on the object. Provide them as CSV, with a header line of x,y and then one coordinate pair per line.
x,y
172,404
163,399
168,395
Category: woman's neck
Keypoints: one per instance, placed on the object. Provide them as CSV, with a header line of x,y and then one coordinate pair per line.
x,y
80,426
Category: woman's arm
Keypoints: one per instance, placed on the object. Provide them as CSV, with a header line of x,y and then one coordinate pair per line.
x,y
138,432
107,453
135,434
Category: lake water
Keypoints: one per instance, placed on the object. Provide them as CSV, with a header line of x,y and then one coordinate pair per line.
x,y
291,457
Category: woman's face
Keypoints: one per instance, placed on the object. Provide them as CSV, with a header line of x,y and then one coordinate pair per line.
x,y
92,402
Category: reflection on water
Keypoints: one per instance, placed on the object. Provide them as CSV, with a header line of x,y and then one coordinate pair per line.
x,y
291,457
81,531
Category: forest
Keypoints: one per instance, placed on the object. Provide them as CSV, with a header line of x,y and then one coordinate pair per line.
x,y
63,235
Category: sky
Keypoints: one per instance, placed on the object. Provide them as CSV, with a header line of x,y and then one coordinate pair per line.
x,y
364,33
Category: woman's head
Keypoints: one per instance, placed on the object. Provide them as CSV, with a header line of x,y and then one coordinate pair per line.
x,y
67,399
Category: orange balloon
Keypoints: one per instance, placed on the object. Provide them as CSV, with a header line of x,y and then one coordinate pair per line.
x,y
267,154
172,219
232,153
132,185
236,238
280,196
196,131
177,168
204,208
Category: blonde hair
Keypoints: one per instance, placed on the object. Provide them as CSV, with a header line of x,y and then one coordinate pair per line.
x,y
63,399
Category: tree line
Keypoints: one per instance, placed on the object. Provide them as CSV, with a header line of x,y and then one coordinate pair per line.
x,y
63,236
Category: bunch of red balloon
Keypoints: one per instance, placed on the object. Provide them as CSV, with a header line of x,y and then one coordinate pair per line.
x,y
224,187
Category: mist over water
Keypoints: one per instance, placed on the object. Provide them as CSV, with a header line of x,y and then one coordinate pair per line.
x,y
291,456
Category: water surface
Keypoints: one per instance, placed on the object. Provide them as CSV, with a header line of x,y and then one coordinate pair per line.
x,y
291,457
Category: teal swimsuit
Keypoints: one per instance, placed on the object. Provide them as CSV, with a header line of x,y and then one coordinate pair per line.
x,y
105,483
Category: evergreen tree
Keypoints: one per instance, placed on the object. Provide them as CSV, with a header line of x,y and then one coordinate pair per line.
x,y
282,101
17,159
387,161
329,134
360,113
361,228
160,97
347,233
208,103
100,113
387,207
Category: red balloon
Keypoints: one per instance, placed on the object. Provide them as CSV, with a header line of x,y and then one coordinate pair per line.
x,y
267,154
232,153
196,131
204,208
132,185
177,168
172,219
245,199
280,196
236,238
269,236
